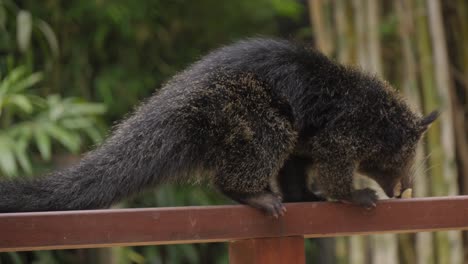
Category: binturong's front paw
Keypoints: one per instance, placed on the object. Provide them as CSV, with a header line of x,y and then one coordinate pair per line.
x,y
366,198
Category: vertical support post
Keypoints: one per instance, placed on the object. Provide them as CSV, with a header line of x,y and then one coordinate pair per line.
x,y
273,250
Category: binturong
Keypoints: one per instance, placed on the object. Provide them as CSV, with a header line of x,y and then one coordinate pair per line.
x,y
235,119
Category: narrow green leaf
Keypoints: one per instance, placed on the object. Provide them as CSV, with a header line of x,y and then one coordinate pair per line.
x,y
135,257
22,157
27,82
77,122
7,158
22,102
23,30
56,112
68,139
12,77
86,109
43,143
94,134
189,252
50,36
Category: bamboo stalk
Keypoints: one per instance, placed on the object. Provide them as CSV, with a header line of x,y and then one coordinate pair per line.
x,y
358,245
450,243
462,123
406,30
318,23
430,103
360,31
373,39
343,45
323,35
444,91
459,39
384,248
344,55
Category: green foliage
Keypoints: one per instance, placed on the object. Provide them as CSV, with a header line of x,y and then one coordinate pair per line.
x,y
27,119
12,90
120,51
288,8
25,39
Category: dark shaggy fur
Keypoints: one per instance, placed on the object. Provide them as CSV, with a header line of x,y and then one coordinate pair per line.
x,y
234,118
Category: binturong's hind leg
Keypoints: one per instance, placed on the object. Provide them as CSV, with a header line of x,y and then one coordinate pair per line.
x,y
253,134
248,182
249,173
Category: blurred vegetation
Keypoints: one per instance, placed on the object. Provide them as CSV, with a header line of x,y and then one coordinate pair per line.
x,y
70,69
28,119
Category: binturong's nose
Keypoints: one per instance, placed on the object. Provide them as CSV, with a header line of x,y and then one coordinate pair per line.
x,y
389,192
393,190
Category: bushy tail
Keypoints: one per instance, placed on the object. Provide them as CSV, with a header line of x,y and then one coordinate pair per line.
x,y
140,154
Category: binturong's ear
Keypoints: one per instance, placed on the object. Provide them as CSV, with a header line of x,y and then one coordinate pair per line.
x,y
426,121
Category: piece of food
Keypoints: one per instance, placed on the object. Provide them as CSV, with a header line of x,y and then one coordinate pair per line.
x,y
407,193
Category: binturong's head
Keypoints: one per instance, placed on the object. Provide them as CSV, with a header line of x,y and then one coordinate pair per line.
x,y
392,166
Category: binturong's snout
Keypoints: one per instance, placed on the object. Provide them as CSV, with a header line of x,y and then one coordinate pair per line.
x,y
393,190
390,192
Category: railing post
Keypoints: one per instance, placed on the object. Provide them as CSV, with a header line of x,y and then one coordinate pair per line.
x,y
273,250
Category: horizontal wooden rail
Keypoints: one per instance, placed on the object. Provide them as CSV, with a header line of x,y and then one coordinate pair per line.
x,y
200,224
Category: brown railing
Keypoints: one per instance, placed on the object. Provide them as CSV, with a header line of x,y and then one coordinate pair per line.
x,y
252,237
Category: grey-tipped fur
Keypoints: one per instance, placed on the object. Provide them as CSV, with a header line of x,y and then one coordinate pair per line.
x,y
237,115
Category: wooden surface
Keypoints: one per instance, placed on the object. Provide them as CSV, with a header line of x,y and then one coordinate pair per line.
x,y
277,250
102,228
